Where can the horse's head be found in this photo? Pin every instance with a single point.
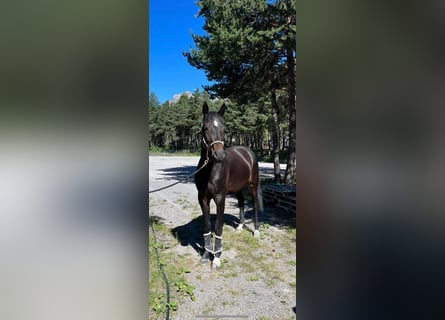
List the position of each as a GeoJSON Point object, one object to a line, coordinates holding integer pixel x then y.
{"type": "Point", "coordinates": [213, 131]}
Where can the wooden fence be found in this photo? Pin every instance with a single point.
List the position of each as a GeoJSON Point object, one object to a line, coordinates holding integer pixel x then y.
{"type": "Point", "coordinates": [282, 197]}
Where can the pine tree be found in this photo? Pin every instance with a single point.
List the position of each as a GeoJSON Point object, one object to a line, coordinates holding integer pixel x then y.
{"type": "Point", "coordinates": [249, 52]}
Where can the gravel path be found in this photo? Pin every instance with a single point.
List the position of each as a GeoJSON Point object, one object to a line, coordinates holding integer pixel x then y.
{"type": "Point", "coordinates": [263, 291]}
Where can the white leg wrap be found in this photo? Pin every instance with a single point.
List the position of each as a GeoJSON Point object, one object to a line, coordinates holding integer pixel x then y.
{"type": "Point", "coordinates": [256, 234]}
{"type": "Point", "coordinates": [239, 228]}
{"type": "Point", "coordinates": [216, 263]}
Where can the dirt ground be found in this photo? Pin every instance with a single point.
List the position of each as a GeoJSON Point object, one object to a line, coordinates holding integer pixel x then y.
{"type": "Point", "coordinates": [257, 279]}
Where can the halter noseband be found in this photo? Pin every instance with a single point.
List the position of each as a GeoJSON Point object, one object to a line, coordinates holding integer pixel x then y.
{"type": "Point", "coordinates": [213, 143]}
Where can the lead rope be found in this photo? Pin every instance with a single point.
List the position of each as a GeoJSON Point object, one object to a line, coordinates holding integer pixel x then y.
{"type": "Point", "coordinates": [181, 180]}
{"type": "Point", "coordinates": [208, 146]}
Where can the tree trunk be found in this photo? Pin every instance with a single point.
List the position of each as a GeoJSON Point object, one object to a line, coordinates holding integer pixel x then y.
{"type": "Point", "coordinates": [261, 145]}
{"type": "Point", "coordinates": [290, 175]}
{"type": "Point", "coordinates": [275, 138]}
{"type": "Point", "coordinates": [261, 133]}
{"type": "Point", "coordinates": [283, 140]}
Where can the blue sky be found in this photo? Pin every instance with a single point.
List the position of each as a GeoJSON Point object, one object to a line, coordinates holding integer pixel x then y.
{"type": "Point", "coordinates": [170, 24]}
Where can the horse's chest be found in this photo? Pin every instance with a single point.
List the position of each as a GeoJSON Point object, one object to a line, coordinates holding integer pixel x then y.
{"type": "Point", "coordinates": [216, 184]}
{"type": "Point", "coordinates": [222, 182]}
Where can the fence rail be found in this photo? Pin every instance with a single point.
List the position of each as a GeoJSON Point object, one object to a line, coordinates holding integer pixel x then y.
{"type": "Point", "coordinates": [282, 197]}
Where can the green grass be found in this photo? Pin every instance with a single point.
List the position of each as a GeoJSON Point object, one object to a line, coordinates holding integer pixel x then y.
{"type": "Point", "coordinates": [253, 278]}
{"type": "Point", "coordinates": [291, 263]}
{"type": "Point", "coordinates": [262, 254]}
{"type": "Point", "coordinates": [228, 303]}
{"type": "Point", "coordinates": [185, 288]}
{"type": "Point", "coordinates": [255, 259]}
{"type": "Point", "coordinates": [175, 268]}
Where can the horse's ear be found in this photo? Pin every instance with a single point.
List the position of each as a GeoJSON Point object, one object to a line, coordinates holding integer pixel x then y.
{"type": "Point", "coordinates": [222, 109]}
{"type": "Point", "coordinates": [205, 108]}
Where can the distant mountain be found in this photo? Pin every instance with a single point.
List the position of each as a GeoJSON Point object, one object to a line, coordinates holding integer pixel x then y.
{"type": "Point", "coordinates": [188, 94]}
{"type": "Point", "coordinates": [176, 97]}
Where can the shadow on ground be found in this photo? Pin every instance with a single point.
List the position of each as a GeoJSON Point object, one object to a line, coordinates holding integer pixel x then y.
{"type": "Point", "coordinates": [179, 173]}
{"type": "Point", "coordinates": [191, 233]}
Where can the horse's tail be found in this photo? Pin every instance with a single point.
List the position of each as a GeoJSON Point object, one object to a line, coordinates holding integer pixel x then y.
{"type": "Point", "coordinates": [259, 190]}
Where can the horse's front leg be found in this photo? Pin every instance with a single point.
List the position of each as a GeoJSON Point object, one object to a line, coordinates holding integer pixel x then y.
{"type": "Point", "coordinates": [204, 202]}
{"type": "Point", "coordinates": [220, 206]}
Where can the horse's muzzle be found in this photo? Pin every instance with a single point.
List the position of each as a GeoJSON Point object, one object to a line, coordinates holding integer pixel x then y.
{"type": "Point", "coordinates": [219, 155]}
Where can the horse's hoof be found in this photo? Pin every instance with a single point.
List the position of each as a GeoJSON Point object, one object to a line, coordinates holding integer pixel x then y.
{"type": "Point", "coordinates": [239, 228]}
{"type": "Point", "coordinates": [256, 234]}
{"type": "Point", "coordinates": [216, 263]}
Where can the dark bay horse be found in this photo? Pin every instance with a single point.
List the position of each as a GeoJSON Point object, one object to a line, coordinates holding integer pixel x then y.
{"type": "Point", "coordinates": [226, 171]}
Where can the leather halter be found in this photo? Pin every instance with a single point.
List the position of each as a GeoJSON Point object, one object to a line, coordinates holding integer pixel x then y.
{"type": "Point", "coordinates": [208, 146]}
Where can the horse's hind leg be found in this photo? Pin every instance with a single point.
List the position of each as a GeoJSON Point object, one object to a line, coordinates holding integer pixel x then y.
{"type": "Point", "coordinates": [204, 202]}
{"type": "Point", "coordinates": [240, 197]}
{"type": "Point", "coordinates": [220, 206]}
{"type": "Point", "coordinates": [257, 195]}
